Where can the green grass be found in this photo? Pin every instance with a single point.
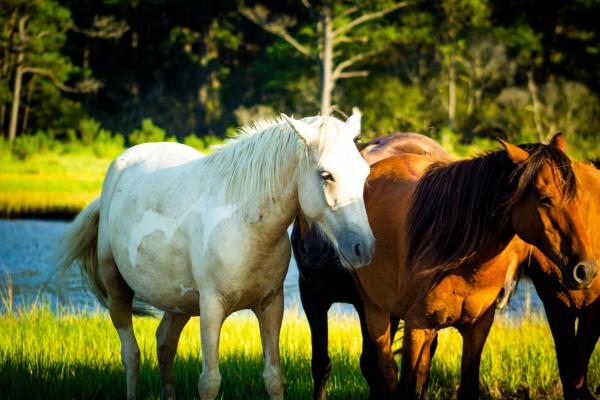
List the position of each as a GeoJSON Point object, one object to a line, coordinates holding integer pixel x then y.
{"type": "Point", "coordinates": [70, 355]}
{"type": "Point", "coordinates": [62, 178]}
{"type": "Point", "coordinates": [49, 183]}
{"type": "Point", "coordinates": [55, 182]}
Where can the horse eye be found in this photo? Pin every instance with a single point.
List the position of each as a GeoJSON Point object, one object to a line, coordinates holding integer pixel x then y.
{"type": "Point", "coordinates": [326, 176]}
{"type": "Point", "coordinates": [545, 200]}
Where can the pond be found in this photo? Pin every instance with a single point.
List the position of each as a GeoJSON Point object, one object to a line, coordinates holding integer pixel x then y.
{"type": "Point", "coordinates": [26, 247]}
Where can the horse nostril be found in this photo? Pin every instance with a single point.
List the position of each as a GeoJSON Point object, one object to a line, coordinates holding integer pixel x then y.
{"type": "Point", "coordinates": [357, 251]}
{"type": "Point", "coordinates": [580, 273]}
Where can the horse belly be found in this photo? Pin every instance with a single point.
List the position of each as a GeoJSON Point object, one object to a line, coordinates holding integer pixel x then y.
{"type": "Point", "coordinates": [246, 284]}
{"type": "Point", "coordinates": [156, 264]}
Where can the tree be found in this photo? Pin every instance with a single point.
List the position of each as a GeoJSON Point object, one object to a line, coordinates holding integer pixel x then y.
{"type": "Point", "coordinates": [342, 41]}
{"type": "Point", "coordinates": [459, 18]}
{"type": "Point", "coordinates": [36, 34]}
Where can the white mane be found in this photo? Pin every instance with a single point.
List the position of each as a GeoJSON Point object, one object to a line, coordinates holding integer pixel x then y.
{"type": "Point", "coordinates": [253, 163]}
{"type": "Point", "coordinates": [263, 155]}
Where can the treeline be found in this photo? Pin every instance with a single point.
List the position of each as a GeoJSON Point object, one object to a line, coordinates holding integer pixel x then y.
{"type": "Point", "coordinates": [459, 69]}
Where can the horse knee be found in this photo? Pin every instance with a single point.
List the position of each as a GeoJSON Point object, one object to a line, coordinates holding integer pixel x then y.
{"type": "Point", "coordinates": [130, 352]}
{"type": "Point", "coordinates": [164, 354]}
{"type": "Point", "coordinates": [208, 386]}
{"type": "Point", "coordinates": [273, 382]}
{"type": "Point", "coordinates": [321, 367]}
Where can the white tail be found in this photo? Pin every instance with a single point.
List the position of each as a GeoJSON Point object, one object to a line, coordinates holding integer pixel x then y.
{"type": "Point", "coordinates": [80, 244]}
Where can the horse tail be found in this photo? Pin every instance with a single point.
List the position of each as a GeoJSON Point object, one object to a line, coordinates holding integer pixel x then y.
{"type": "Point", "coordinates": [80, 244]}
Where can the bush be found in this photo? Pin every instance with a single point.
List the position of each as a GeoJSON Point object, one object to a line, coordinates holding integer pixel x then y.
{"type": "Point", "coordinates": [148, 133]}
{"type": "Point", "coordinates": [203, 144]}
{"type": "Point", "coordinates": [89, 129]}
{"type": "Point", "coordinates": [107, 144]}
{"type": "Point", "coordinates": [390, 105]}
{"type": "Point", "coordinates": [26, 145]}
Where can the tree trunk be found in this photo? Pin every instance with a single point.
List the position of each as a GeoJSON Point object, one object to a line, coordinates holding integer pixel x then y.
{"type": "Point", "coordinates": [327, 82]}
{"type": "Point", "coordinates": [27, 103]}
{"type": "Point", "coordinates": [2, 116]}
{"type": "Point", "coordinates": [451, 95]}
{"type": "Point", "coordinates": [14, 116]}
{"type": "Point", "coordinates": [537, 106]}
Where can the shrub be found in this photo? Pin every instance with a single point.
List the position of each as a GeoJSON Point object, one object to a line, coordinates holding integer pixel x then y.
{"type": "Point", "coordinates": [148, 133]}
{"type": "Point", "coordinates": [203, 144]}
{"type": "Point", "coordinates": [89, 129]}
{"type": "Point", "coordinates": [27, 145]}
{"type": "Point", "coordinates": [107, 144]}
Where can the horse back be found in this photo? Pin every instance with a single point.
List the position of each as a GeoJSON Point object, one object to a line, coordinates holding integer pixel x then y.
{"type": "Point", "coordinates": [403, 142]}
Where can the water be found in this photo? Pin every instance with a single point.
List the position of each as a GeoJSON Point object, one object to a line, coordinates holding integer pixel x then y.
{"type": "Point", "coordinates": [26, 247]}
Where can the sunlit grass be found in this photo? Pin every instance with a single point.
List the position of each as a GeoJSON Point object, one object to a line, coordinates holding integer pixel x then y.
{"type": "Point", "coordinates": [49, 184]}
{"type": "Point", "coordinates": [70, 355]}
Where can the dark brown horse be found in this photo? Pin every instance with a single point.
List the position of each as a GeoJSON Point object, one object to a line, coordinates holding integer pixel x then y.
{"type": "Point", "coordinates": [573, 315]}
{"type": "Point", "coordinates": [323, 281]}
{"type": "Point", "coordinates": [445, 242]}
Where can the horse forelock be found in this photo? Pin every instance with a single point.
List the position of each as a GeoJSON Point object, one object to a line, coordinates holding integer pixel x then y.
{"type": "Point", "coordinates": [540, 155]}
{"type": "Point", "coordinates": [459, 208]}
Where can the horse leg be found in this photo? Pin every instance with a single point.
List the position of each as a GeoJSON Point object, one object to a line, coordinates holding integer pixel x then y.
{"type": "Point", "coordinates": [433, 348]}
{"type": "Point", "coordinates": [474, 337]}
{"type": "Point", "coordinates": [588, 332]}
{"type": "Point", "coordinates": [562, 325]}
{"type": "Point", "coordinates": [416, 360]}
{"type": "Point", "coordinates": [212, 315]}
{"type": "Point", "coordinates": [269, 317]}
{"type": "Point", "coordinates": [320, 363]}
{"type": "Point", "coordinates": [167, 338]}
{"type": "Point", "coordinates": [120, 307]}
{"type": "Point", "coordinates": [378, 326]}
{"type": "Point", "coordinates": [368, 357]}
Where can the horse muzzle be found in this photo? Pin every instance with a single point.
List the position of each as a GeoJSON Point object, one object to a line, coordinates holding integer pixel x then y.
{"type": "Point", "coordinates": [582, 275]}
{"type": "Point", "coordinates": [317, 253]}
{"type": "Point", "coordinates": [356, 250]}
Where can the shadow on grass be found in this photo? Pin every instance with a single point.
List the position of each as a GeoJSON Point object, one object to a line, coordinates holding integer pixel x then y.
{"type": "Point", "coordinates": [241, 379]}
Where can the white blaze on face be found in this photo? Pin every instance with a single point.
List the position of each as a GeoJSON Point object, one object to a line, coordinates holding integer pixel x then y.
{"type": "Point", "coordinates": [331, 190]}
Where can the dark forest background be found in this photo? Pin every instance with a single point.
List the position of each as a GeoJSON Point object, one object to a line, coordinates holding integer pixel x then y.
{"type": "Point", "coordinates": [459, 69]}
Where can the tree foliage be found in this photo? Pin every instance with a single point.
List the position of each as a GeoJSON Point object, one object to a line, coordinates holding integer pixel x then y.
{"type": "Point", "coordinates": [480, 68]}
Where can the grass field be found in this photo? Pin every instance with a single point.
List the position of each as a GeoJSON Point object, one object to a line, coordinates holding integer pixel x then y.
{"type": "Point", "coordinates": [49, 184]}
{"type": "Point", "coordinates": [59, 181]}
{"type": "Point", "coordinates": [53, 183]}
{"type": "Point", "coordinates": [68, 355]}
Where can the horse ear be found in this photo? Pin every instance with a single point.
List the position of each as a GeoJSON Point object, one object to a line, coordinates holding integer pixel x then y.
{"type": "Point", "coordinates": [559, 141]}
{"type": "Point", "coordinates": [515, 153]}
{"type": "Point", "coordinates": [306, 132]}
{"type": "Point", "coordinates": [354, 122]}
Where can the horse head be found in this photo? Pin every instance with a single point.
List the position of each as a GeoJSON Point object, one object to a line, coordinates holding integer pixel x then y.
{"type": "Point", "coordinates": [330, 186]}
{"type": "Point", "coordinates": [546, 211]}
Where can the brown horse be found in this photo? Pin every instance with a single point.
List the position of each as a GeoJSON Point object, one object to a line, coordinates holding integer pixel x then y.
{"type": "Point", "coordinates": [399, 143]}
{"type": "Point", "coordinates": [574, 346]}
{"type": "Point", "coordinates": [445, 241]}
{"type": "Point", "coordinates": [322, 279]}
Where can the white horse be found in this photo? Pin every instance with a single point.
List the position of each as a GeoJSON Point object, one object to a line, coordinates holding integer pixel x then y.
{"type": "Point", "coordinates": [206, 236]}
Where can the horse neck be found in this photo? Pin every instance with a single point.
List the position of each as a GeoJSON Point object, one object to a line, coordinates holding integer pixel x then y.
{"type": "Point", "coordinates": [277, 212]}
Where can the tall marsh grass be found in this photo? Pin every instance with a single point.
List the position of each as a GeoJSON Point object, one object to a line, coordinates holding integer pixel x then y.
{"type": "Point", "coordinates": [60, 179]}
{"type": "Point", "coordinates": [62, 354]}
